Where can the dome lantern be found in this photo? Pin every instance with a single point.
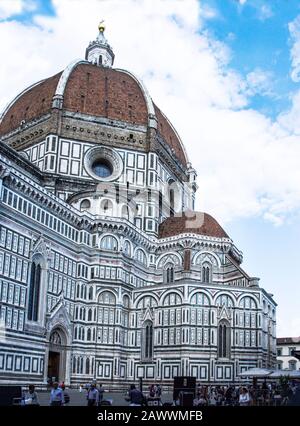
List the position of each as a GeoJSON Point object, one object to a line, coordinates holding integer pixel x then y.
{"type": "Point", "coordinates": [99, 52]}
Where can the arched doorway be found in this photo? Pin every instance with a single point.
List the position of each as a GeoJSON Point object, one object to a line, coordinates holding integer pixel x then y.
{"type": "Point", "coordinates": [57, 356]}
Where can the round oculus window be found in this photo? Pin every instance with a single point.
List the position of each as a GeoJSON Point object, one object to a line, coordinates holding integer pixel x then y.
{"type": "Point", "coordinates": [103, 163]}
{"type": "Point", "coordinates": [102, 168]}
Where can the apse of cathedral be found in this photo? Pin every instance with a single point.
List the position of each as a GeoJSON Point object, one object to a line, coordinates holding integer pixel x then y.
{"type": "Point", "coordinates": [106, 270]}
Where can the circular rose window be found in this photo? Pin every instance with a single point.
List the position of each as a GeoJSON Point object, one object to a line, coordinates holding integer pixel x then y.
{"type": "Point", "coordinates": [102, 168]}
{"type": "Point", "coordinates": [103, 163]}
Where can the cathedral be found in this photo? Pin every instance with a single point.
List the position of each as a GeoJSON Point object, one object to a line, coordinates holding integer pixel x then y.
{"type": "Point", "coordinates": [107, 272]}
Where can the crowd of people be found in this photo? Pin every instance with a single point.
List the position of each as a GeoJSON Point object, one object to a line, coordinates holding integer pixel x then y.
{"type": "Point", "coordinates": [58, 395]}
{"type": "Point", "coordinates": [270, 394]}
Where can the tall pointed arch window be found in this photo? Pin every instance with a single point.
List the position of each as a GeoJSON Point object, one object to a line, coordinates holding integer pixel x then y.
{"type": "Point", "coordinates": [206, 273]}
{"type": "Point", "coordinates": [127, 248]}
{"type": "Point", "coordinates": [141, 257]}
{"type": "Point", "coordinates": [169, 274]}
{"type": "Point", "coordinates": [224, 339]}
{"type": "Point", "coordinates": [34, 291]}
{"type": "Point", "coordinates": [147, 342]}
{"type": "Point", "coordinates": [171, 197]}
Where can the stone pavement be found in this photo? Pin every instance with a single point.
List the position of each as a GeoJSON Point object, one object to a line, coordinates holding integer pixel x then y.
{"type": "Point", "coordinates": [79, 399]}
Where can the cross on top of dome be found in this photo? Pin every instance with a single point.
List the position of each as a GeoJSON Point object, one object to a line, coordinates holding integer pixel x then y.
{"type": "Point", "coordinates": [99, 52]}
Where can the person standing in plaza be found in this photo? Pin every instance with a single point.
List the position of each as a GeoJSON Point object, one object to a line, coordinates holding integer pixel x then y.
{"type": "Point", "coordinates": [92, 396]}
{"type": "Point", "coordinates": [30, 397]}
{"type": "Point", "coordinates": [100, 393]}
{"type": "Point", "coordinates": [56, 396]}
{"type": "Point", "coordinates": [244, 398]}
{"type": "Point", "coordinates": [135, 397]}
{"type": "Point", "coordinates": [158, 391]}
{"type": "Point", "coordinates": [152, 391]}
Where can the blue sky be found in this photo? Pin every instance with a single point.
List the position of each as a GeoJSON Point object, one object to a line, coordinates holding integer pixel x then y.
{"type": "Point", "coordinates": [257, 32]}
{"type": "Point", "coordinates": [30, 10]}
{"type": "Point", "coordinates": [226, 73]}
{"type": "Point", "coordinates": [258, 35]}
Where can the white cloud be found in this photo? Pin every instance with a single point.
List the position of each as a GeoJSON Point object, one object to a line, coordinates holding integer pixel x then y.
{"type": "Point", "coordinates": [265, 12]}
{"type": "Point", "coordinates": [294, 28]}
{"type": "Point", "coordinates": [260, 82]}
{"type": "Point", "coordinates": [9, 8]}
{"type": "Point", "coordinates": [208, 12]}
{"type": "Point", "coordinates": [247, 164]}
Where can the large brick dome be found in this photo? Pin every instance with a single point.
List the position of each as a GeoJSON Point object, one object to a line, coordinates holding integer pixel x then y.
{"type": "Point", "coordinates": [91, 91]}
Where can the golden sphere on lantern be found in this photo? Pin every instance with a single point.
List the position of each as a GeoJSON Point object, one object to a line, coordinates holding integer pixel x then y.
{"type": "Point", "coordinates": [101, 27]}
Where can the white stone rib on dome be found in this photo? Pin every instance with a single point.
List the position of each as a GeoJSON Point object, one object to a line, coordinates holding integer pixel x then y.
{"type": "Point", "coordinates": [61, 85]}
{"type": "Point", "coordinates": [60, 89]}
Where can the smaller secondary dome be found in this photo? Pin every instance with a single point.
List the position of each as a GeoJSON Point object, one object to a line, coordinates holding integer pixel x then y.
{"type": "Point", "coordinates": [191, 222]}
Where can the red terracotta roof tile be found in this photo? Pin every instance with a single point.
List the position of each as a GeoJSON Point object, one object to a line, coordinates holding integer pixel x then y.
{"type": "Point", "coordinates": [191, 222]}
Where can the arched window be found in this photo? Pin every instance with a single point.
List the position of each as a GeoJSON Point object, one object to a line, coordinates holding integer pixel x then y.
{"type": "Point", "coordinates": [160, 203]}
{"type": "Point", "coordinates": [172, 299]}
{"type": "Point", "coordinates": [34, 292]}
{"type": "Point", "coordinates": [125, 212]}
{"type": "Point", "coordinates": [90, 315]}
{"type": "Point", "coordinates": [141, 257]}
{"type": "Point", "coordinates": [200, 299]}
{"type": "Point", "coordinates": [146, 301]}
{"type": "Point", "coordinates": [107, 298]}
{"type": "Point", "coordinates": [100, 59]}
{"type": "Point", "coordinates": [169, 274]}
{"type": "Point", "coordinates": [127, 248]}
{"type": "Point", "coordinates": [81, 366]}
{"type": "Point", "coordinates": [89, 334]}
{"type": "Point", "coordinates": [75, 333]}
{"type": "Point", "coordinates": [148, 340]}
{"type": "Point", "coordinates": [106, 208]}
{"type": "Point", "coordinates": [171, 194]}
{"type": "Point", "coordinates": [74, 364]}
{"type": "Point", "coordinates": [223, 339]}
{"type": "Point", "coordinates": [109, 243]}
{"type": "Point", "coordinates": [224, 300]}
{"type": "Point", "coordinates": [172, 203]}
{"type": "Point", "coordinates": [91, 293]}
{"type": "Point", "coordinates": [206, 275]}
{"type": "Point", "coordinates": [126, 301]}
{"type": "Point", "coordinates": [85, 205]}
{"type": "Point", "coordinates": [247, 303]}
